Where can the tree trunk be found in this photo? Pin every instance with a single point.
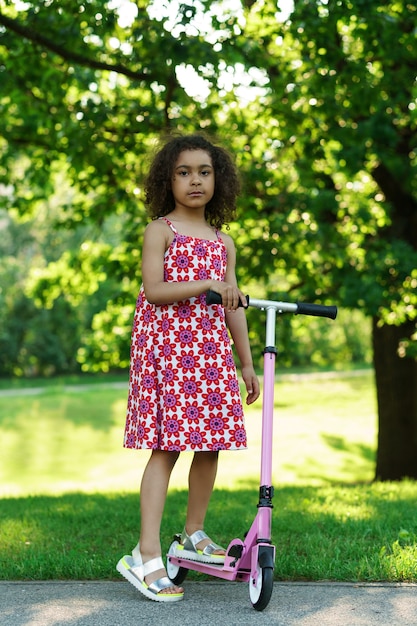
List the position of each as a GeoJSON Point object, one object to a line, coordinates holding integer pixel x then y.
{"type": "Point", "coordinates": [396, 386]}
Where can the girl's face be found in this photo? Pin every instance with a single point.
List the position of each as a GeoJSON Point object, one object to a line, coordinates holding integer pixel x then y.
{"type": "Point", "coordinates": [193, 179]}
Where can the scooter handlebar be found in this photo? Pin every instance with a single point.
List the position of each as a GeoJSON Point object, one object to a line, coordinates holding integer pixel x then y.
{"type": "Point", "coordinates": [300, 308]}
{"type": "Point", "coordinates": [212, 297]}
{"type": "Point", "coordinates": [319, 310]}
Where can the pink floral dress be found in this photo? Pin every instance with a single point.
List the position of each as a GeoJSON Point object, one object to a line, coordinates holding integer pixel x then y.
{"type": "Point", "coordinates": [183, 389]}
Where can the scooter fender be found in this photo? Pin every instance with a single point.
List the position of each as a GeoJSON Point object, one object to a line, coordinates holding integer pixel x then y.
{"type": "Point", "coordinates": [263, 555]}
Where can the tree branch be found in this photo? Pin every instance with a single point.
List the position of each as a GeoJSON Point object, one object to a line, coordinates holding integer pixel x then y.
{"type": "Point", "coordinates": [68, 55]}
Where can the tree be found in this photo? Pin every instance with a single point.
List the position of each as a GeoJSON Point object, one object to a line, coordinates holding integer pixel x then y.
{"type": "Point", "coordinates": [324, 131]}
{"type": "Point", "coordinates": [350, 94]}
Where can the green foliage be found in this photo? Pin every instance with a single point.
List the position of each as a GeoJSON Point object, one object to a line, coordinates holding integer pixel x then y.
{"type": "Point", "coordinates": [351, 153]}
{"type": "Point", "coordinates": [328, 166]}
{"type": "Point", "coordinates": [53, 315]}
{"type": "Point", "coordinates": [315, 342]}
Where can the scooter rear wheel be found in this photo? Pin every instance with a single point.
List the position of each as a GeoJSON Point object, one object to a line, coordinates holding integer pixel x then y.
{"type": "Point", "coordinates": [175, 573]}
{"type": "Point", "coordinates": [261, 590]}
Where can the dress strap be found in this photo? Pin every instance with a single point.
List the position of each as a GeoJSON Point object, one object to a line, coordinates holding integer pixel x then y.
{"type": "Point", "coordinates": [170, 224]}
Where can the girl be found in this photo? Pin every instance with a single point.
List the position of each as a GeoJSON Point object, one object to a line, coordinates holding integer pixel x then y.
{"type": "Point", "coordinates": [183, 390]}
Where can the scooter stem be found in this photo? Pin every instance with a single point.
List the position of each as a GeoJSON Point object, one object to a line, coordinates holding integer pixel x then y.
{"type": "Point", "coordinates": [267, 418]}
{"type": "Point", "coordinates": [266, 489]}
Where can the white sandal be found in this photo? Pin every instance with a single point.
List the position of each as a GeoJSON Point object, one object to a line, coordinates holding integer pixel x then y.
{"type": "Point", "coordinates": [134, 570]}
{"type": "Point", "coordinates": [187, 549]}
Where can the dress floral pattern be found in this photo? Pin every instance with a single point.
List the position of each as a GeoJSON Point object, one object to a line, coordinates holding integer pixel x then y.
{"type": "Point", "coordinates": [183, 387]}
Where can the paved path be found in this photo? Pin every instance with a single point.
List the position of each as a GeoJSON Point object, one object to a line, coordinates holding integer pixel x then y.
{"type": "Point", "coordinates": [220, 603]}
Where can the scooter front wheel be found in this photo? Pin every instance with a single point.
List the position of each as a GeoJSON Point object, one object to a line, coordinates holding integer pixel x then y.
{"type": "Point", "coordinates": [175, 573]}
{"type": "Point", "coordinates": [260, 590]}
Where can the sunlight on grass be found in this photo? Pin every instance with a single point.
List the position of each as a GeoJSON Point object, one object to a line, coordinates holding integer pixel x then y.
{"type": "Point", "coordinates": [328, 532]}
{"type": "Point", "coordinates": [58, 440]}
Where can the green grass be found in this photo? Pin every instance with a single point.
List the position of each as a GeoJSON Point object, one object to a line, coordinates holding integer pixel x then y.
{"type": "Point", "coordinates": [70, 491]}
{"type": "Point", "coordinates": [8, 384]}
{"type": "Point", "coordinates": [342, 533]}
{"type": "Point", "coordinates": [64, 439]}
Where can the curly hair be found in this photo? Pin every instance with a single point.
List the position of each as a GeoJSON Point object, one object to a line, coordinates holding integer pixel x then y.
{"type": "Point", "coordinates": [158, 194]}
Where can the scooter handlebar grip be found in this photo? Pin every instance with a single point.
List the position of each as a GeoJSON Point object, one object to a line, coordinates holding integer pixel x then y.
{"type": "Point", "coordinates": [212, 297]}
{"type": "Point", "coordinates": [319, 310]}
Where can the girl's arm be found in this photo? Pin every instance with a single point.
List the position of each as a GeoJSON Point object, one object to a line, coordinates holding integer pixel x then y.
{"type": "Point", "coordinates": [236, 321]}
{"type": "Point", "coordinates": [156, 240]}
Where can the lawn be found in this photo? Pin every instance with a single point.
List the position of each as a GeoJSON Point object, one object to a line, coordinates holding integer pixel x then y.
{"type": "Point", "coordinates": [70, 501]}
{"type": "Point", "coordinates": [61, 438]}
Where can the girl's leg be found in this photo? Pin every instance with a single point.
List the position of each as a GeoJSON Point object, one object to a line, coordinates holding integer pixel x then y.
{"type": "Point", "coordinates": [153, 493]}
{"type": "Point", "coordinates": [200, 482]}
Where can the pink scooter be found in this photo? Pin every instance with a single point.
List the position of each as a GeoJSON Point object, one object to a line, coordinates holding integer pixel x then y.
{"type": "Point", "coordinates": [252, 559]}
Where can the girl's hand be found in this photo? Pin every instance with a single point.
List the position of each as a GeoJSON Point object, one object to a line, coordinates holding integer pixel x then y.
{"type": "Point", "coordinates": [252, 384]}
{"type": "Point", "coordinates": [231, 295]}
